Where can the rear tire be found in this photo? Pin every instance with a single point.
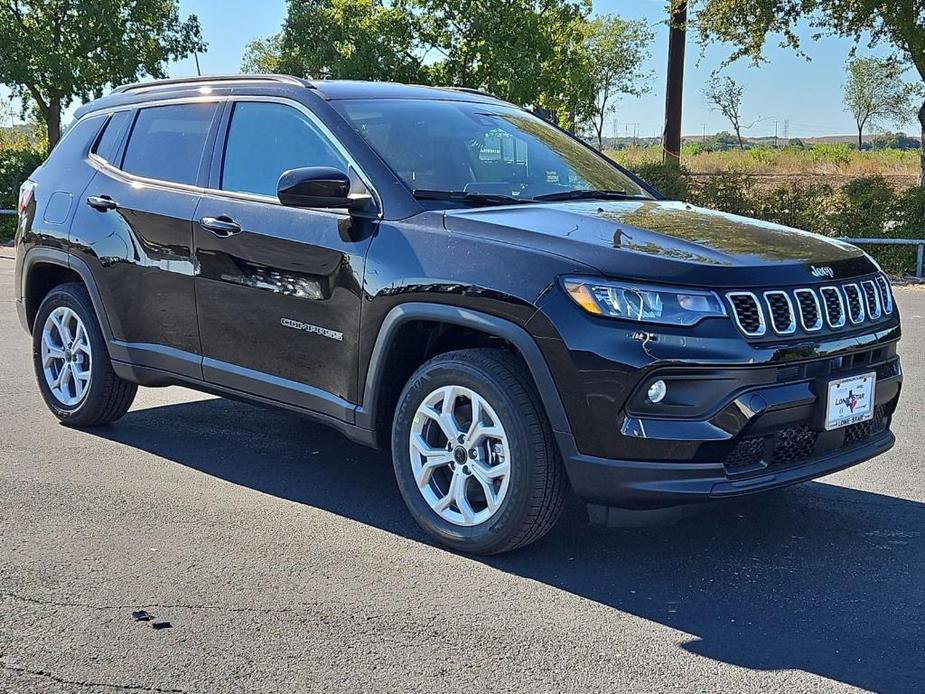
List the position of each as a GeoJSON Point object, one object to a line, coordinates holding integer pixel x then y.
{"type": "Point", "coordinates": [72, 364]}
{"type": "Point", "coordinates": [500, 485]}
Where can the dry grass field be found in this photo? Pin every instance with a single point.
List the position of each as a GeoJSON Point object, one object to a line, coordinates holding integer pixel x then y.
{"type": "Point", "coordinates": [834, 162]}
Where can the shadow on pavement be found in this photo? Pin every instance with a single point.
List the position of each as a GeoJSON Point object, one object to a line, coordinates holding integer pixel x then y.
{"type": "Point", "coordinates": [818, 578]}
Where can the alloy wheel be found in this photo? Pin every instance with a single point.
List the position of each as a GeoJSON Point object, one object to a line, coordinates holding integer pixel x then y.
{"type": "Point", "coordinates": [460, 455]}
{"type": "Point", "coordinates": [66, 356]}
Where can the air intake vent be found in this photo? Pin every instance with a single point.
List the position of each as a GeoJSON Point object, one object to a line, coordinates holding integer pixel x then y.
{"type": "Point", "coordinates": [747, 312]}
{"type": "Point", "coordinates": [855, 305]}
{"type": "Point", "coordinates": [872, 297]}
{"type": "Point", "coordinates": [834, 306]}
{"type": "Point", "coordinates": [781, 311]}
{"type": "Point", "coordinates": [810, 311]}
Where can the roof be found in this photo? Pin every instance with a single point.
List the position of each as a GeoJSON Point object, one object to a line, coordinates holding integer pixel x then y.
{"type": "Point", "coordinates": [327, 89]}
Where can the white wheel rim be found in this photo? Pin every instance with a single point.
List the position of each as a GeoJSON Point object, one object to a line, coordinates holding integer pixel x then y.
{"type": "Point", "coordinates": [460, 456]}
{"type": "Point", "coordinates": [66, 356]}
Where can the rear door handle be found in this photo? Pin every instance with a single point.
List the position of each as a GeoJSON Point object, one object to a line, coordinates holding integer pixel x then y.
{"type": "Point", "coordinates": [222, 226]}
{"type": "Point", "coordinates": [102, 203]}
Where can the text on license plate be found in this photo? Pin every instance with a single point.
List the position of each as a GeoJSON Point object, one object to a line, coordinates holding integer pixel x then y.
{"type": "Point", "coordinates": [850, 400]}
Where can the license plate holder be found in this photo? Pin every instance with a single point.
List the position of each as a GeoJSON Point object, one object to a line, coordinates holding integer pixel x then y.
{"type": "Point", "coordinates": [850, 400]}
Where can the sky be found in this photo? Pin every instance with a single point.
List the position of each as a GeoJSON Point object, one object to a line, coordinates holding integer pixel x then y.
{"type": "Point", "coordinates": [803, 97]}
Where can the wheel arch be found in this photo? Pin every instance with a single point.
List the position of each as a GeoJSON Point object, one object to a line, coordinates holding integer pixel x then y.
{"type": "Point", "coordinates": [379, 396]}
{"type": "Point", "coordinates": [46, 268]}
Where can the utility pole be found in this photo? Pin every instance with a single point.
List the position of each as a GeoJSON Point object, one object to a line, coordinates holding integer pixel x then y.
{"type": "Point", "coordinates": [674, 92]}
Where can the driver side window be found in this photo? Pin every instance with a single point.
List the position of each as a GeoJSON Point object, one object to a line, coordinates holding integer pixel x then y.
{"type": "Point", "coordinates": [266, 139]}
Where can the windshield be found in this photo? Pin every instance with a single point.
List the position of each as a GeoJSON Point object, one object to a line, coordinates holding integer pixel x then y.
{"type": "Point", "coordinates": [482, 150]}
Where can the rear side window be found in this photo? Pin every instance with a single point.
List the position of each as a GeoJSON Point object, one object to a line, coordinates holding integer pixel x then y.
{"type": "Point", "coordinates": [167, 142]}
{"type": "Point", "coordinates": [267, 139]}
{"type": "Point", "coordinates": [108, 144]}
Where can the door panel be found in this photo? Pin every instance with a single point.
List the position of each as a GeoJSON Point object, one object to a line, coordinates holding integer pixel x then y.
{"type": "Point", "coordinates": [140, 232]}
{"type": "Point", "coordinates": [279, 301]}
{"type": "Point", "coordinates": [278, 288]}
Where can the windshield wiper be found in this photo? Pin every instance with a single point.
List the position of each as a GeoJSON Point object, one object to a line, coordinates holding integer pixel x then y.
{"type": "Point", "coordinates": [588, 195]}
{"type": "Point", "coordinates": [463, 196]}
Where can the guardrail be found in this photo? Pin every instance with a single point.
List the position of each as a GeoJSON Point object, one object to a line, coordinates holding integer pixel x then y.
{"type": "Point", "coordinates": [919, 257]}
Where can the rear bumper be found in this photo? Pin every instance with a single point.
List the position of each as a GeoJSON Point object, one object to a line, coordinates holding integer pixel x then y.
{"type": "Point", "coordinates": [647, 485]}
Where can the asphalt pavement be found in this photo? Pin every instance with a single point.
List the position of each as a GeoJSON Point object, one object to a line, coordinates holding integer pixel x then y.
{"type": "Point", "coordinates": [283, 559]}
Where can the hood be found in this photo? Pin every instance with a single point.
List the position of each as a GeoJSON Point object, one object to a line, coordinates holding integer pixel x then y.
{"type": "Point", "coordinates": [667, 242]}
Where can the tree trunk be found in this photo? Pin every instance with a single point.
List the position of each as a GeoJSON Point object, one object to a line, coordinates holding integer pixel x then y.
{"type": "Point", "coordinates": [53, 121]}
{"type": "Point", "coordinates": [677, 38]}
{"type": "Point", "coordinates": [922, 147]}
{"type": "Point", "coordinates": [860, 139]}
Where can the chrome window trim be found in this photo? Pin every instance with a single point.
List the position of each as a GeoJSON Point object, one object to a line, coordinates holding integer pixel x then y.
{"type": "Point", "coordinates": [841, 305]}
{"type": "Point", "coordinates": [862, 301]}
{"type": "Point", "coordinates": [762, 327]}
{"type": "Point", "coordinates": [876, 293]}
{"type": "Point", "coordinates": [818, 325]}
{"type": "Point", "coordinates": [793, 320]}
{"type": "Point", "coordinates": [886, 293]}
{"type": "Point", "coordinates": [183, 187]}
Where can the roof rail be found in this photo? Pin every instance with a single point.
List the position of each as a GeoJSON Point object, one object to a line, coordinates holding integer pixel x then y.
{"type": "Point", "coordinates": [153, 84]}
{"type": "Point", "coordinates": [470, 90]}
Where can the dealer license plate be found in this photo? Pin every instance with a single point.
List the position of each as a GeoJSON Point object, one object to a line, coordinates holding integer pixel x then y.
{"type": "Point", "coordinates": [851, 400]}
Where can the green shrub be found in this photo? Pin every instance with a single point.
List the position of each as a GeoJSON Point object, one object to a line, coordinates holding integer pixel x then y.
{"type": "Point", "coordinates": [15, 167]}
{"type": "Point", "coordinates": [865, 207]}
{"type": "Point", "coordinates": [673, 182]}
{"type": "Point", "coordinates": [729, 192]}
{"type": "Point", "coordinates": [804, 207]}
{"type": "Point", "coordinates": [838, 154]}
{"type": "Point", "coordinates": [7, 228]}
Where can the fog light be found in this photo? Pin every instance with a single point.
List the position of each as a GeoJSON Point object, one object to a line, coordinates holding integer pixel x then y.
{"type": "Point", "coordinates": [657, 392]}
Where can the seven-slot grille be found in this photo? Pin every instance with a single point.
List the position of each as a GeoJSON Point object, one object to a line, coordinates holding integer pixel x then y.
{"type": "Point", "coordinates": [811, 308]}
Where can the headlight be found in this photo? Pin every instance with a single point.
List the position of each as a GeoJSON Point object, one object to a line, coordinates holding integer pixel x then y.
{"type": "Point", "coordinates": [641, 302]}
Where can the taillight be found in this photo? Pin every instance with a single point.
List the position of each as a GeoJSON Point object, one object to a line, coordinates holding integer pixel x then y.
{"type": "Point", "coordinates": [25, 197]}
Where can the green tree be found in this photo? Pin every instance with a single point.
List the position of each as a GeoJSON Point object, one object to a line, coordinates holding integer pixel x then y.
{"type": "Point", "coordinates": [262, 56]}
{"type": "Point", "coordinates": [875, 94]}
{"type": "Point", "coordinates": [725, 96]}
{"type": "Point", "coordinates": [55, 51]}
{"type": "Point", "coordinates": [530, 52]}
{"type": "Point", "coordinates": [344, 39]}
{"type": "Point", "coordinates": [899, 24]}
{"type": "Point", "coordinates": [617, 49]}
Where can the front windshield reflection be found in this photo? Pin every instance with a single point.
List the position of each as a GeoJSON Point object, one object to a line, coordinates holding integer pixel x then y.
{"type": "Point", "coordinates": [481, 149]}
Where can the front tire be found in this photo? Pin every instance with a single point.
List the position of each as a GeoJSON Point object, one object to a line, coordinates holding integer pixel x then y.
{"type": "Point", "coordinates": [72, 364]}
{"type": "Point", "coordinates": [474, 455]}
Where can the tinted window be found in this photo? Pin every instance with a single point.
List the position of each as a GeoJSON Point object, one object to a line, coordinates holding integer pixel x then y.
{"type": "Point", "coordinates": [264, 140]}
{"type": "Point", "coordinates": [108, 144]}
{"type": "Point", "coordinates": [167, 142]}
{"type": "Point", "coordinates": [480, 148]}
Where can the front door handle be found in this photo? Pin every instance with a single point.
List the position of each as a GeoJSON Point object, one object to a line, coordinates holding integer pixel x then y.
{"type": "Point", "coordinates": [102, 203]}
{"type": "Point", "coordinates": [222, 226]}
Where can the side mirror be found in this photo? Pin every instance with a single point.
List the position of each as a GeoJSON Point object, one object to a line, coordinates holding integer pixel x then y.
{"type": "Point", "coordinates": [319, 186]}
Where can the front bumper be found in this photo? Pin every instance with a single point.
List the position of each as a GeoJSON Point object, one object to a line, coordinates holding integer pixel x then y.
{"type": "Point", "coordinates": [769, 434]}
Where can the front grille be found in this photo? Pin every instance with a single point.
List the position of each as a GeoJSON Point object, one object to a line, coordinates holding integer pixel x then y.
{"type": "Point", "coordinates": [886, 294]}
{"type": "Point", "coordinates": [748, 313]}
{"type": "Point", "coordinates": [796, 445]}
{"type": "Point", "coordinates": [782, 318]}
{"type": "Point", "coordinates": [810, 309]}
{"type": "Point", "coordinates": [834, 306]}
{"type": "Point", "coordinates": [872, 297]}
{"type": "Point", "coordinates": [855, 307]}
{"type": "Point", "coordinates": [810, 312]}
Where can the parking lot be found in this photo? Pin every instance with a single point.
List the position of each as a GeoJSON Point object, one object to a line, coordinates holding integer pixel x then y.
{"type": "Point", "coordinates": [283, 560]}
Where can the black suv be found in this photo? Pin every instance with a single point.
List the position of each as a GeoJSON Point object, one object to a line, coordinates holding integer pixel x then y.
{"type": "Point", "coordinates": [447, 275]}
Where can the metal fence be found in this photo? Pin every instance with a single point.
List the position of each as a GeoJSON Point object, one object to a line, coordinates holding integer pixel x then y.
{"type": "Point", "coordinates": [919, 258]}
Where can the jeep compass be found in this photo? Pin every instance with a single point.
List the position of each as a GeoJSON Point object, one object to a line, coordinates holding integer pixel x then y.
{"type": "Point", "coordinates": [445, 275]}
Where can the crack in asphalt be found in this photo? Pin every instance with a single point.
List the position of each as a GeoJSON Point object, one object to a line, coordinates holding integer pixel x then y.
{"type": "Point", "coordinates": [135, 606]}
{"type": "Point", "coordinates": [80, 683]}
